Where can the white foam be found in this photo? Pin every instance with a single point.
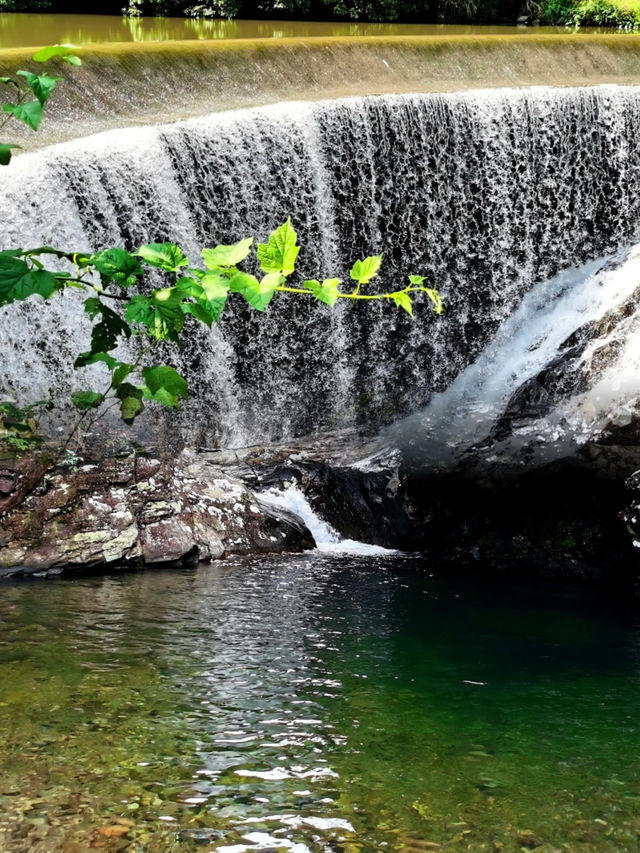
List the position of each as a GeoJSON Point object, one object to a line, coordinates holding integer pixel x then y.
{"type": "Point", "coordinates": [326, 537]}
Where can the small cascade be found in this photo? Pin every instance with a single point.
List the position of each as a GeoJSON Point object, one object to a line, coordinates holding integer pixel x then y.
{"type": "Point", "coordinates": [556, 327]}
{"type": "Point", "coordinates": [327, 539]}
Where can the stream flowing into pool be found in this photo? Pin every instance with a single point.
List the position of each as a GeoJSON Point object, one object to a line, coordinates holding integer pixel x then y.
{"type": "Point", "coordinates": [316, 702]}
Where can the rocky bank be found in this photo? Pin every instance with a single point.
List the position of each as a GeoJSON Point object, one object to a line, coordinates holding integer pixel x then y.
{"type": "Point", "coordinates": [131, 512]}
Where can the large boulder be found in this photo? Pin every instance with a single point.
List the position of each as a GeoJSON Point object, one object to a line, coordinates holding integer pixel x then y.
{"type": "Point", "coordinates": [134, 511]}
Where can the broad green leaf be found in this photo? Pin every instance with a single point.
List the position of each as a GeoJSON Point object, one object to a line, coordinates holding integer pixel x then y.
{"type": "Point", "coordinates": [118, 265]}
{"type": "Point", "coordinates": [5, 152]}
{"type": "Point", "coordinates": [187, 286]}
{"type": "Point", "coordinates": [280, 252]}
{"type": "Point", "coordinates": [18, 281]}
{"type": "Point", "coordinates": [41, 85]}
{"type": "Point", "coordinates": [215, 286]}
{"type": "Point", "coordinates": [130, 408]}
{"type": "Point", "coordinates": [86, 358]}
{"type": "Point", "coordinates": [105, 334]}
{"type": "Point", "coordinates": [198, 311]}
{"type": "Point", "coordinates": [257, 293]}
{"type": "Point", "coordinates": [86, 399]}
{"type": "Point", "coordinates": [364, 271]}
{"type": "Point", "coordinates": [65, 51]}
{"type": "Point", "coordinates": [9, 409]}
{"type": "Point", "coordinates": [326, 292]}
{"type": "Point", "coordinates": [165, 256]}
{"type": "Point", "coordinates": [161, 313]}
{"type": "Point", "coordinates": [131, 404]}
{"type": "Point", "coordinates": [164, 385]}
{"type": "Point", "coordinates": [120, 374]}
{"type": "Point", "coordinates": [214, 307]}
{"type": "Point", "coordinates": [227, 256]}
{"type": "Point", "coordinates": [403, 300]}
{"type": "Point", "coordinates": [30, 113]}
{"type": "Point", "coordinates": [417, 279]}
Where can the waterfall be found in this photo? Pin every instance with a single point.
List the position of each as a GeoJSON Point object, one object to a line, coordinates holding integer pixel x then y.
{"type": "Point", "coordinates": [489, 193]}
{"type": "Point", "coordinates": [536, 335]}
{"type": "Point", "coordinates": [327, 539]}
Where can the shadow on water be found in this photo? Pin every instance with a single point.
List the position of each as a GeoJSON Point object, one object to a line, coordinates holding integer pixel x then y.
{"type": "Point", "coordinates": [332, 703]}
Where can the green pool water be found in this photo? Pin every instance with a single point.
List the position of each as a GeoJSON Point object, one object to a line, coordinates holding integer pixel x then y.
{"type": "Point", "coordinates": [315, 703]}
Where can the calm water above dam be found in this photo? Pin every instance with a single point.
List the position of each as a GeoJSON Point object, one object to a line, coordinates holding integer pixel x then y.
{"type": "Point", "coordinates": [315, 703]}
{"type": "Point", "coordinates": [19, 30]}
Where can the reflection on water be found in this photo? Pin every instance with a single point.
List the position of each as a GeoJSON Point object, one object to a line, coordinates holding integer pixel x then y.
{"type": "Point", "coordinates": [315, 703]}
{"type": "Point", "coordinates": [34, 30]}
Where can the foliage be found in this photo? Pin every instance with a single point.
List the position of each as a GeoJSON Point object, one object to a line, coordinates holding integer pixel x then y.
{"type": "Point", "coordinates": [19, 426]}
{"type": "Point", "coordinates": [123, 309]}
{"type": "Point", "coordinates": [111, 280]}
{"type": "Point", "coordinates": [617, 14]}
{"type": "Point", "coordinates": [32, 91]}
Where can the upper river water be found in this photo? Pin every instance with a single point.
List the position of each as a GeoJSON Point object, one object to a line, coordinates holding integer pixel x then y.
{"type": "Point", "coordinates": [316, 703]}
{"type": "Point", "coordinates": [19, 30]}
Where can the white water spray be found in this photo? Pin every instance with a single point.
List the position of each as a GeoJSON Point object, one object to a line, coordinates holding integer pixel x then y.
{"type": "Point", "coordinates": [529, 340]}
{"type": "Point", "coordinates": [327, 539]}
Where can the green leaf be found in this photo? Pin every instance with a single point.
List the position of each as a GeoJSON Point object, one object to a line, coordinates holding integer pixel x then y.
{"type": "Point", "coordinates": [131, 404]}
{"type": "Point", "coordinates": [165, 256]}
{"type": "Point", "coordinates": [198, 311]}
{"type": "Point", "coordinates": [5, 152]}
{"type": "Point", "coordinates": [280, 252]}
{"type": "Point", "coordinates": [187, 286]}
{"type": "Point", "coordinates": [120, 374]}
{"type": "Point", "coordinates": [118, 265]}
{"type": "Point", "coordinates": [86, 358]}
{"type": "Point", "coordinates": [434, 296]}
{"type": "Point", "coordinates": [257, 293]}
{"type": "Point", "coordinates": [65, 51]}
{"type": "Point", "coordinates": [215, 286]}
{"type": "Point", "coordinates": [364, 271]}
{"type": "Point", "coordinates": [161, 313]}
{"type": "Point", "coordinates": [105, 334]}
{"type": "Point", "coordinates": [403, 300]}
{"type": "Point", "coordinates": [18, 281]}
{"type": "Point", "coordinates": [214, 307]}
{"type": "Point", "coordinates": [41, 85]}
{"type": "Point", "coordinates": [227, 256]}
{"type": "Point", "coordinates": [86, 399]}
{"type": "Point", "coordinates": [164, 385]}
{"type": "Point", "coordinates": [326, 292]}
{"type": "Point", "coordinates": [29, 113]}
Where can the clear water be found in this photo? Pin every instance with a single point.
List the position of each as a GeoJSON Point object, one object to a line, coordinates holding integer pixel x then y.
{"type": "Point", "coordinates": [316, 703]}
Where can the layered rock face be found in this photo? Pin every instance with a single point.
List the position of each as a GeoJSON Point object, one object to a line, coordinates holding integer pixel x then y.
{"type": "Point", "coordinates": [134, 512]}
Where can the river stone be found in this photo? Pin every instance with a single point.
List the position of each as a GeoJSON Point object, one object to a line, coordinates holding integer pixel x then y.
{"type": "Point", "coordinates": [136, 511]}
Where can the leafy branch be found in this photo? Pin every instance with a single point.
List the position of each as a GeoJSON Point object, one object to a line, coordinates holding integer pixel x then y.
{"type": "Point", "coordinates": [120, 312]}
{"type": "Point", "coordinates": [113, 280]}
{"type": "Point", "coordinates": [32, 92]}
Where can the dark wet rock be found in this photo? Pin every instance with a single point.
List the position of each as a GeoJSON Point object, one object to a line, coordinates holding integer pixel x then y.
{"type": "Point", "coordinates": [561, 521]}
{"type": "Point", "coordinates": [136, 511]}
{"type": "Point", "coordinates": [343, 476]}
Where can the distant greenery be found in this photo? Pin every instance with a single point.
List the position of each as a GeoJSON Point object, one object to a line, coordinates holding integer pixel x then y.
{"type": "Point", "coordinates": [427, 11]}
{"type": "Point", "coordinates": [618, 14]}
